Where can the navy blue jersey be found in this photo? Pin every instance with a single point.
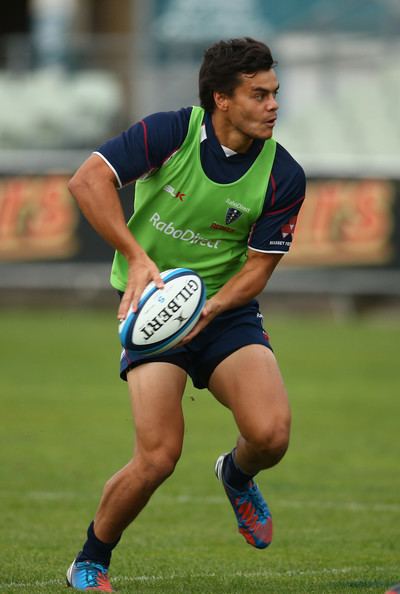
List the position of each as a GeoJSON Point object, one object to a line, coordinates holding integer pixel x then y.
{"type": "Point", "coordinates": [146, 145]}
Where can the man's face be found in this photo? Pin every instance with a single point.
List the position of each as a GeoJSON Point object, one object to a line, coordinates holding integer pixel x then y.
{"type": "Point", "coordinates": [252, 109]}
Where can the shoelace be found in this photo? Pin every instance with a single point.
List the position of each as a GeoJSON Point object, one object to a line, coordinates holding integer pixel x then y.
{"type": "Point", "coordinates": [92, 573]}
{"type": "Point", "coordinates": [259, 502]}
{"type": "Point", "coordinates": [249, 503]}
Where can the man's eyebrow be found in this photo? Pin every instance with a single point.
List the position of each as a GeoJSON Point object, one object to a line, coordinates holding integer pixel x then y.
{"type": "Point", "coordinates": [265, 89]}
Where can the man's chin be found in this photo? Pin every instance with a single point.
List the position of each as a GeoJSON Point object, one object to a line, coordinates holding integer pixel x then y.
{"type": "Point", "coordinates": [264, 135]}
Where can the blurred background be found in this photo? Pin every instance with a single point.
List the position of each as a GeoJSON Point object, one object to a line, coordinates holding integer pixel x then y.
{"type": "Point", "coordinates": [73, 73]}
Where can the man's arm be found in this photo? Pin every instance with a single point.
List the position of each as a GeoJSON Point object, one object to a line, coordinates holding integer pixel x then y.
{"type": "Point", "coordinates": [240, 289]}
{"type": "Point", "coordinates": [94, 188]}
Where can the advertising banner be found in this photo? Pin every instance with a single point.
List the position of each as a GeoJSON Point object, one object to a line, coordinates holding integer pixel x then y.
{"type": "Point", "coordinates": [343, 222]}
{"type": "Point", "coordinates": [346, 223]}
{"type": "Point", "coordinates": [38, 219]}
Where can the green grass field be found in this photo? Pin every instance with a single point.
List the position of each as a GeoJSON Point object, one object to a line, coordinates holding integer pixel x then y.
{"type": "Point", "coordinates": [335, 498]}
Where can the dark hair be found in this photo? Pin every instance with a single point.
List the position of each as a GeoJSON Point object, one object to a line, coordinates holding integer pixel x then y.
{"type": "Point", "coordinates": [225, 61]}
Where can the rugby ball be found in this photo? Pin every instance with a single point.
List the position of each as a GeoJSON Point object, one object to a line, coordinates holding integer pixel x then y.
{"type": "Point", "coordinates": [164, 316]}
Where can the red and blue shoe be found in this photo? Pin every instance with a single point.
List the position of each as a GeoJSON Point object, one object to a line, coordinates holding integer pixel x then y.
{"type": "Point", "coordinates": [87, 575]}
{"type": "Point", "coordinates": [252, 513]}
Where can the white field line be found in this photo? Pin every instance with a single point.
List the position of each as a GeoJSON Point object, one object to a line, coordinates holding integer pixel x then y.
{"type": "Point", "coordinates": [199, 576]}
{"type": "Point", "coordinates": [341, 505]}
{"type": "Point", "coordinates": [352, 506]}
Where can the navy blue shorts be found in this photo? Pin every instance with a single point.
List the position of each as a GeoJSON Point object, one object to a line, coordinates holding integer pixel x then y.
{"type": "Point", "coordinates": [227, 333]}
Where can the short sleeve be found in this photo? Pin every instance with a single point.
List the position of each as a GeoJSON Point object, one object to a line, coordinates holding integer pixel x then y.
{"type": "Point", "coordinates": [273, 231]}
{"type": "Point", "coordinates": [145, 145]}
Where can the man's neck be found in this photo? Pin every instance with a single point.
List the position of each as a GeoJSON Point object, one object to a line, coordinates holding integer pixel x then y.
{"type": "Point", "coordinates": [228, 136]}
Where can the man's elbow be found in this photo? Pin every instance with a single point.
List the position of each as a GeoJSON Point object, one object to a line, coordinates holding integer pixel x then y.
{"type": "Point", "coordinates": [75, 184]}
{"type": "Point", "coordinates": [81, 187]}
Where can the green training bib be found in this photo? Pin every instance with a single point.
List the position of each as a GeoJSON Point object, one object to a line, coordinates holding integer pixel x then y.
{"type": "Point", "coordinates": [184, 219]}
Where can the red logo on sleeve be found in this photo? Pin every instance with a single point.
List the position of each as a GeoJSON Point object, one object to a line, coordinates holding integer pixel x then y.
{"type": "Point", "coordinates": [289, 227]}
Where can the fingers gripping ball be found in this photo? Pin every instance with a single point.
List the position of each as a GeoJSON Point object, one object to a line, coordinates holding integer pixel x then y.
{"type": "Point", "coordinates": [164, 316]}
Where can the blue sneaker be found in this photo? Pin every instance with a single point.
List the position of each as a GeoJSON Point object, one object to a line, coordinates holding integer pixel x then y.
{"type": "Point", "coordinates": [87, 575]}
{"type": "Point", "coordinates": [252, 513]}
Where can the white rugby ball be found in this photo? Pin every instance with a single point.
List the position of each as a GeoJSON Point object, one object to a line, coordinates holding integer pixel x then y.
{"type": "Point", "coordinates": [164, 316]}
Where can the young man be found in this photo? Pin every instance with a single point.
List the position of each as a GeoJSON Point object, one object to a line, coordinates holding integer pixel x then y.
{"type": "Point", "coordinates": [215, 193]}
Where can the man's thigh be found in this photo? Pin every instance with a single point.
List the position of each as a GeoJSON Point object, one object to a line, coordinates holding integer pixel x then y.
{"type": "Point", "coordinates": [250, 384]}
{"type": "Point", "coordinates": [156, 391]}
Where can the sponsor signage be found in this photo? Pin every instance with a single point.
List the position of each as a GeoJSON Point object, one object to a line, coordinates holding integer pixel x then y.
{"type": "Point", "coordinates": [346, 223]}
{"type": "Point", "coordinates": [342, 223]}
{"type": "Point", "coordinates": [188, 235]}
{"type": "Point", "coordinates": [38, 218]}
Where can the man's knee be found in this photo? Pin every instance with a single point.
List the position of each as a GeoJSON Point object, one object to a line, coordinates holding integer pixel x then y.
{"type": "Point", "coordinates": [156, 466]}
{"type": "Point", "coordinates": [269, 438]}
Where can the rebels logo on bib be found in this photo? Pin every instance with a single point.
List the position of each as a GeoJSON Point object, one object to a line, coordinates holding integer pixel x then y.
{"type": "Point", "coordinates": [232, 215]}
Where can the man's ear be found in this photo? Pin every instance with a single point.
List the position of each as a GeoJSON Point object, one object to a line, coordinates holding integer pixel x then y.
{"type": "Point", "coordinates": [221, 100]}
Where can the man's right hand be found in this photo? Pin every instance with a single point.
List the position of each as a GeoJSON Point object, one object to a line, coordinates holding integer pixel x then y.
{"type": "Point", "coordinates": [142, 270]}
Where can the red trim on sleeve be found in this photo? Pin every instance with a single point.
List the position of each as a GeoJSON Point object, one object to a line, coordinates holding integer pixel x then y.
{"type": "Point", "coordinates": [284, 209]}
{"type": "Point", "coordinates": [273, 184]}
{"type": "Point", "coordinates": [146, 143]}
{"type": "Point", "coordinates": [251, 233]}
